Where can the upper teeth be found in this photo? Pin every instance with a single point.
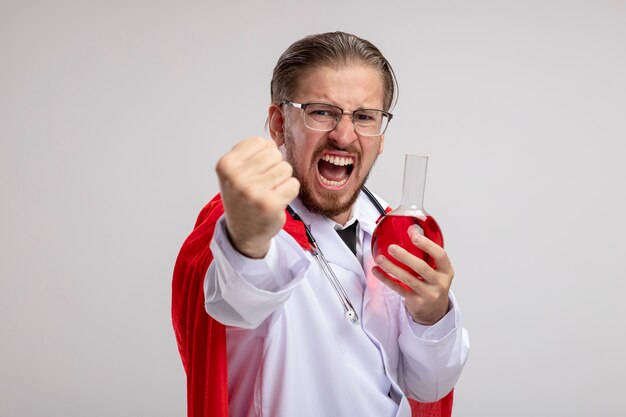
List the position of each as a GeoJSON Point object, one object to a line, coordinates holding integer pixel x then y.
{"type": "Point", "coordinates": [338, 160]}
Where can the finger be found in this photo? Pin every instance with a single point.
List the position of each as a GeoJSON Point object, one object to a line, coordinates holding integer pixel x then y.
{"type": "Point", "coordinates": [409, 279]}
{"type": "Point", "coordinates": [236, 160]}
{"type": "Point", "coordinates": [249, 176]}
{"type": "Point", "coordinates": [261, 159]}
{"type": "Point", "coordinates": [421, 268]}
{"type": "Point", "coordinates": [256, 166]}
{"type": "Point", "coordinates": [287, 191]}
{"type": "Point", "coordinates": [438, 253]}
{"type": "Point", "coordinates": [395, 285]}
{"type": "Point", "coordinates": [265, 184]}
{"type": "Point", "coordinates": [265, 197]}
{"type": "Point", "coordinates": [276, 175]}
{"type": "Point", "coordinates": [248, 148]}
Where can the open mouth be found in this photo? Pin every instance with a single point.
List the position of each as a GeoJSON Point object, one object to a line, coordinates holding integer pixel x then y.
{"type": "Point", "coordinates": [334, 170]}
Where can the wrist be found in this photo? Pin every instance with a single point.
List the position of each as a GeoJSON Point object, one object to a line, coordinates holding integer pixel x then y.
{"type": "Point", "coordinates": [432, 317]}
{"type": "Point", "coordinates": [248, 247]}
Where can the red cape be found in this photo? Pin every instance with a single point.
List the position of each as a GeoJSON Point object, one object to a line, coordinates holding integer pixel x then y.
{"type": "Point", "coordinates": [202, 340]}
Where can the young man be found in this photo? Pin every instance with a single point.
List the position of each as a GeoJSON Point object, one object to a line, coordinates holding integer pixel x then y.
{"type": "Point", "coordinates": [288, 334]}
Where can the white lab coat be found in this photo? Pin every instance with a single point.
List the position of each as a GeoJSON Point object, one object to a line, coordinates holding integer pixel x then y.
{"type": "Point", "coordinates": [291, 350]}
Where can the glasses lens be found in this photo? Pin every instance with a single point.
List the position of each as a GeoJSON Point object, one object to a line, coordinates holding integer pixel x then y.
{"type": "Point", "coordinates": [321, 116]}
{"type": "Point", "coordinates": [370, 122]}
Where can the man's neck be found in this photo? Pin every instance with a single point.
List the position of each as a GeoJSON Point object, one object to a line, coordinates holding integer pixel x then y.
{"type": "Point", "coordinates": [342, 218]}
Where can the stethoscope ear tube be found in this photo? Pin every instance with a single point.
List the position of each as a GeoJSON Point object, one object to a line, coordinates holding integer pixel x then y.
{"type": "Point", "coordinates": [374, 201]}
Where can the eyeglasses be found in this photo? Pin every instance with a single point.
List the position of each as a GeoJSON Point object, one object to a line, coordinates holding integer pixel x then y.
{"type": "Point", "coordinates": [325, 118]}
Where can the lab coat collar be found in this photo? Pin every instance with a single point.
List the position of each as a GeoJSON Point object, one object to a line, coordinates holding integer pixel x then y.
{"type": "Point", "coordinates": [329, 242]}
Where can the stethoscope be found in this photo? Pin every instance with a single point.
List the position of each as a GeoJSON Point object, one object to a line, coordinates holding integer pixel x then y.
{"type": "Point", "coordinates": [317, 253]}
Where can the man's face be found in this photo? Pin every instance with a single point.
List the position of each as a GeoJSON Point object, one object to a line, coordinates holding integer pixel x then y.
{"type": "Point", "coordinates": [331, 166]}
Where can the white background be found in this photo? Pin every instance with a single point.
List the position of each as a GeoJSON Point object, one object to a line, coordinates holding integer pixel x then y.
{"type": "Point", "coordinates": [113, 114]}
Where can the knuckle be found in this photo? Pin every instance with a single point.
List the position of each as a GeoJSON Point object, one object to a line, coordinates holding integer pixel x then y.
{"type": "Point", "coordinates": [278, 172]}
{"type": "Point", "coordinates": [247, 193]}
{"type": "Point", "coordinates": [255, 140]}
{"type": "Point", "coordinates": [269, 143]}
{"type": "Point", "coordinates": [295, 186]}
{"type": "Point", "coordinates": [287, 168]}
{"type": "Point", "coordinates": [263, 206]}
{"type": "Point", "coordinates": [283, 169]}
{"type": "Point", "coordinates": [432, 295]}
{"type": "Point", "coordinates": [274, 151]}
{"type": "Point", "coordinates": [272, 154]}
{"type": "Point", "coordinates": [223, 165]}
{"type": "Point", "coordinates": [267, 205]}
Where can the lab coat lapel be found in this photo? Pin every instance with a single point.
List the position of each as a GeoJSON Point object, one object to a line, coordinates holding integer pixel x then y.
{"type": "Point", "coordinates": [335, 250]}
{"type": "Point", "coordinates": [329, 242]}
{"type": "Point", "coordinates": [367, 220]}
{"type": "Point", "coordinates": [371, 282]}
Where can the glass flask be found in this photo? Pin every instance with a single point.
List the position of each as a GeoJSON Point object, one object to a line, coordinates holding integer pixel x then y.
{"type": "Point", "coordinates": [392, 228]}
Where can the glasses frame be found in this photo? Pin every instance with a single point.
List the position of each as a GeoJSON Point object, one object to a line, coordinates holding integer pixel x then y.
{"type": "Point", "coordinates": [303, 106]}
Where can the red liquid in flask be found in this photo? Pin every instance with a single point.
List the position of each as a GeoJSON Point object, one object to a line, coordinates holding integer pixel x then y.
{"type": "Point", "coordinates": [392, 229]}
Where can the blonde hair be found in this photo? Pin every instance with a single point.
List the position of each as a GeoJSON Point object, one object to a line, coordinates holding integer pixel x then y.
{"type": "Point", "coordinates": [329, 49]}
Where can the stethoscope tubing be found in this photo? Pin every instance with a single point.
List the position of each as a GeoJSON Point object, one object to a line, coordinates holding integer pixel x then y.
{"type": "Point", "coordinates": [317, 253]}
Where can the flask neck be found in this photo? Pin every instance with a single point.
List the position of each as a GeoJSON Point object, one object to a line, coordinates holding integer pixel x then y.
{"type": "Point", "coordinates": [414, 183]}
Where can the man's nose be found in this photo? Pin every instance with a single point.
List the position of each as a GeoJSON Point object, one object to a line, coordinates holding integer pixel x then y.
{"type": "Point", "coordinates": [343, 134]}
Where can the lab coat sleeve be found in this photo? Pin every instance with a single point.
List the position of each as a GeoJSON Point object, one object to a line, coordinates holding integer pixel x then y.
{"type": "Point", "coordinates": [432, 357]}
{"type": "Point", "coordinates": [241, 291]}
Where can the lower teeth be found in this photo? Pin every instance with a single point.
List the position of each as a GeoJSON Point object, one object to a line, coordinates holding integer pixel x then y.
{"type": "Point", "coordinates": [333, 183]}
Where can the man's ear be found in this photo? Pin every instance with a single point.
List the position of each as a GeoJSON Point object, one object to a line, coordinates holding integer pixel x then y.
{"type": "Point", "coordinates": [381, 145]}
{"type": "Point", "coordinates": [276, 124]}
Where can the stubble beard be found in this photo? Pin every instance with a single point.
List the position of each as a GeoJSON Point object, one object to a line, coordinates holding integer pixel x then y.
{"type": "Point", "coordinates": [330, 203]}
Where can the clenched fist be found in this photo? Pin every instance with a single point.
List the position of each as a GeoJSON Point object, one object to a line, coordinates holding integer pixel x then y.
{"type": "Point", "coordinates": [256, 186]}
